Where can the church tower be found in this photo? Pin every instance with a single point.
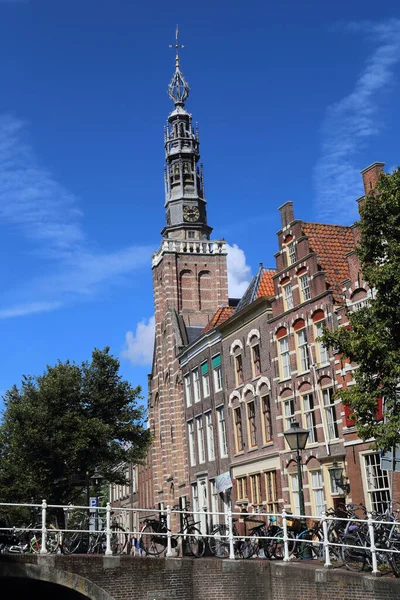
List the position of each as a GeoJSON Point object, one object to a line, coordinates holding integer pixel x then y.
{"type": "Point", "coordinates": [190, 284]}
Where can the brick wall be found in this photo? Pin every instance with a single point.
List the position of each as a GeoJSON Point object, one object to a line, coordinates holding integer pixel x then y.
{"type": "Point", "coordinates": [126, 577]}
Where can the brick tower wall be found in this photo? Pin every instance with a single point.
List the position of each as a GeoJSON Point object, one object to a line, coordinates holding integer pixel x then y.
{"type": "Point", "coordinates": [193, 286]}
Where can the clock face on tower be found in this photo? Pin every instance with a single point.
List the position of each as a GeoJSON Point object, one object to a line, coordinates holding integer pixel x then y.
{"type": "Point", "coordinates": [191, 214]}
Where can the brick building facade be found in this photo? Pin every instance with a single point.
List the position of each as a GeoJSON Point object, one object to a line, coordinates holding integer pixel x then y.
{"type": "Point", "coordinates": [272, 369]}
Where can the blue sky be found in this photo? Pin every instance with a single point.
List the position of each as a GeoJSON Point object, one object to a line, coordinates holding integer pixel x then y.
{"type": "Point", "coordinates": [293, 100]}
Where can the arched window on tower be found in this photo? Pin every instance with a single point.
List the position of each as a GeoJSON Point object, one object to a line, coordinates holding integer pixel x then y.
{"type": "Point", "coordinates": [187, 171]}
{"type": "Point", "coordinates": [187, 286]}
{"type": "Point", "coordinates": [205, 283]}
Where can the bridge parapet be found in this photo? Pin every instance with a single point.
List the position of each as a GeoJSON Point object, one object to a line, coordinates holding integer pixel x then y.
{"type": "Point", "coordinates": [134, 578]}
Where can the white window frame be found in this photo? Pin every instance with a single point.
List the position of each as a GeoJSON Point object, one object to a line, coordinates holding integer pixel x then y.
{"type": "Point", "coordinates": [223, 444]}
{"type": "Point", "coordinates": [288, 412]}
{"type": "Point", "coordinates": [302, 351]}
{"type": "Point", "coordinates": [192, 443]}
{"type": "Point", "coordinates": [196, 385]}
{"type": "Point", "coordinates": [294, 484]}
{"type": "Point", "coordinates": [309, 410]}
{"type": "Point", "coordinates": [205, 378]}
{"type": "Point", "coordinates": [210, 436]}
{"type": "Point", "coordinates": [305, 292]}
{"type": "Point", "coordinates": [322, 351]}
{"type": "Point", "coordinates": [377, 489]}
{"type": "Point", "coordinates": [330, 413]}
{"type": "Point", "coordinates": [188, 389]}
{"type": "Point", "coordinates": [284, 358]}
{"type": "Point", "coordinates": [288, 296]}
{"type": "Point", "coordinates": [201, 449]}
{"type": "Point", "coordinates": [317, 486]}
{"type": "Point", "coordinates": [291, 248]}
{"type": "Point", "coordinates": [217, 375]}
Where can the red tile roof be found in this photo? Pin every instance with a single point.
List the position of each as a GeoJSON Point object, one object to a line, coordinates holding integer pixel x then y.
{"type": "Point", "coordinates": [266, 286]}
{"type": "Point", "coordinates": [219, 317]}
{"type": "Point", "coordinates": [331, 243]}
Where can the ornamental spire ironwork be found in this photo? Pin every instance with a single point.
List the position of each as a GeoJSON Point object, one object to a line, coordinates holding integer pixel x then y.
{"type": "Point", "coordinates": [178, 89]}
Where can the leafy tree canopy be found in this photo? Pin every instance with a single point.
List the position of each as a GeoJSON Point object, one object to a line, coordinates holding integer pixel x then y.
{"type": "Point", "coordinates": [373, 338]}
{"type": "Point", "coordinates": [65, 423]}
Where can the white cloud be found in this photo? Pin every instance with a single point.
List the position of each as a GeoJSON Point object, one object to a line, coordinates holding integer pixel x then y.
{"type": "Point", "coordinates": [352, 121]}
{"type": "Point", "coordinates": [138, 347]}
{"type": "Point", "coordinates": [239, 273]}
{"type": "Point", "coordinates": [28, 309]}
{"type": "Point", "coordinates": [43, 211]}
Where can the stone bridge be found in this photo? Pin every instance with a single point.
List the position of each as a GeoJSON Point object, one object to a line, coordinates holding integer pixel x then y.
{"type": "Point", "coordinates": [77, 577]}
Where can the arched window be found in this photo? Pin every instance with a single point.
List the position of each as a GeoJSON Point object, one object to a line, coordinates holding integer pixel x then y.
{"type": "Point", "coordinates": [205, 284]}
{"type": "Point", "coordinates": [321, 352]}
{"type": "Point", "coordinates": [303, 360]}
{"type": "Point", "coordinates": [283, 353]}
{"type": "Point", "coordinates": [187, 290]}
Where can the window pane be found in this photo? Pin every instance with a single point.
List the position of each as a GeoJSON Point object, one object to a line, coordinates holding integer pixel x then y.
{"type": "Point", "coordinates": [188, 390]}
{"type": "Point", "coordinates": [267, 424]}
{"type": "Point", "coordinates": [238, 429]}
{"type": "Point", "coordinates": [251, 416]}
{"type": "Point", "coordinates": [223, 448]}
{"type": "Point", "coordinates": [210, 436]}
{"type": "Point", "coordinates": [377, 483]}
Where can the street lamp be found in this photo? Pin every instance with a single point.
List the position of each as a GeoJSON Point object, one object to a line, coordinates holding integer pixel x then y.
{"type": "Point", "coordinates": [296, 438]}
{"type": "Point", "coordinates": [337, 471]}
{"type": "Point", "coordinates": [96, 480]}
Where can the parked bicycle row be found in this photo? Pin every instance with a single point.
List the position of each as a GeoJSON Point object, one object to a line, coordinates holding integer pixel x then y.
{"type": "Point", "coordinates": [82, 532]}
{"type": "Point", "coordinates": [347, 535]}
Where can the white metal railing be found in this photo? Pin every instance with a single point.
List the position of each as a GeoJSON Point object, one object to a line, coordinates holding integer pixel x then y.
{"type": "Point", "coordinates": [232, 538]}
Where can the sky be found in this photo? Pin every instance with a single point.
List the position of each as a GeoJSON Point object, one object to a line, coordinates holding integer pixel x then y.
{"type": "Point", "coordinates": [293, 99]}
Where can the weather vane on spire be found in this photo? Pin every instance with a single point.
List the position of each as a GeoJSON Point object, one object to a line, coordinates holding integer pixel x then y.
{"type": "Point", "coordinates": [178, 88]}
{"type": "Point", "coordinates": [176, 46]}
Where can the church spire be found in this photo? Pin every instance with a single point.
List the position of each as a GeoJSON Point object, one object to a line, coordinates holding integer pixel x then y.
{"type": "Point", "coordinates": [178, 89]}
{"type": "Point", "coordinates": [185, 203]}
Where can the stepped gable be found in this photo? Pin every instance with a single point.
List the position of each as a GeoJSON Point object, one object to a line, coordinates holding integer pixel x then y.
{"type": "Point", "coordinates": [331, 243]}
{"type": "Point", "coordinates": [219, 317]}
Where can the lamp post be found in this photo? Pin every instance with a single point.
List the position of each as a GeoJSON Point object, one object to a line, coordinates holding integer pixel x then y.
{"type": "Point", "coordinates": [96, 480]}
{"type": "Point", "coordinates": [296, 438]}
{"type": "Point", "coordinates": [337, 471]}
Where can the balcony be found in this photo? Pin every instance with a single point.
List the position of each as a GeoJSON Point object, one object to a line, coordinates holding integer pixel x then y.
{"type": "Point", "coordinates": [188, 247]}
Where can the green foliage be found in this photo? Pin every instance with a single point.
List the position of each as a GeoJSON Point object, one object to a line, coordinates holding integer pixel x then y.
{"type": "Point", "coordinates": [373, 340]}
{"type": "Point", "coordinates": [67, 422]}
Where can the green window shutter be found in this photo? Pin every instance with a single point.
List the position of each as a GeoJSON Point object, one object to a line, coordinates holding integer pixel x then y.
{"type": "Point", "coordinates": [204, 368]}
{"type": "Point", "coordinates": [216, 361]}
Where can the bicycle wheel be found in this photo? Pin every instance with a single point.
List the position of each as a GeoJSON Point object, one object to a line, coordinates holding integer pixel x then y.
{"type": "Point", "coordinates": [195, 542]}
{"type": "Point", "coordinates": [277, 546]}
{"type": "Point", "coordinates": [249, 546]}
{"type": "Point", "coordinates": [354, 559]}
{"type": "Point", "coordinates": [219, 542]}
{"type": "Point", "coordinates": [52, 540]}
{"type": "Point", "coordinates": [151, 541]}
{"type": "Point", "coordinates": [309, 544]}
{"type": "Point", "coordinates": [394, 557]}
{"type": "Point", "coordinates": [119, 539]}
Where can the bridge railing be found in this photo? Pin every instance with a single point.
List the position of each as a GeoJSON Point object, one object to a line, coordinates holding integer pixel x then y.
{"type": "Point", "coordinates": [368, 538]}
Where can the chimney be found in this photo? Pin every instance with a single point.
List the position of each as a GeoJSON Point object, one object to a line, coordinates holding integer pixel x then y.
{"type": "Point", "coordinates": [286, 211]}
{"type": "Point", "coordinates": [370, 176]}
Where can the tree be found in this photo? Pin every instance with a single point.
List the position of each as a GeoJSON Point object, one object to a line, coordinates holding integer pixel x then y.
{"type": "Point", "coordinates": [373, 337]}
{"type": "Point", "coordinates": [67, 422]}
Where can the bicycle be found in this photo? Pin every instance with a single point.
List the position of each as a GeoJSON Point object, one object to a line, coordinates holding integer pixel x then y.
{"type": "Point", "coordinates": [154, 535]}
{"type": "Point", "coordinates": [82, 540]}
